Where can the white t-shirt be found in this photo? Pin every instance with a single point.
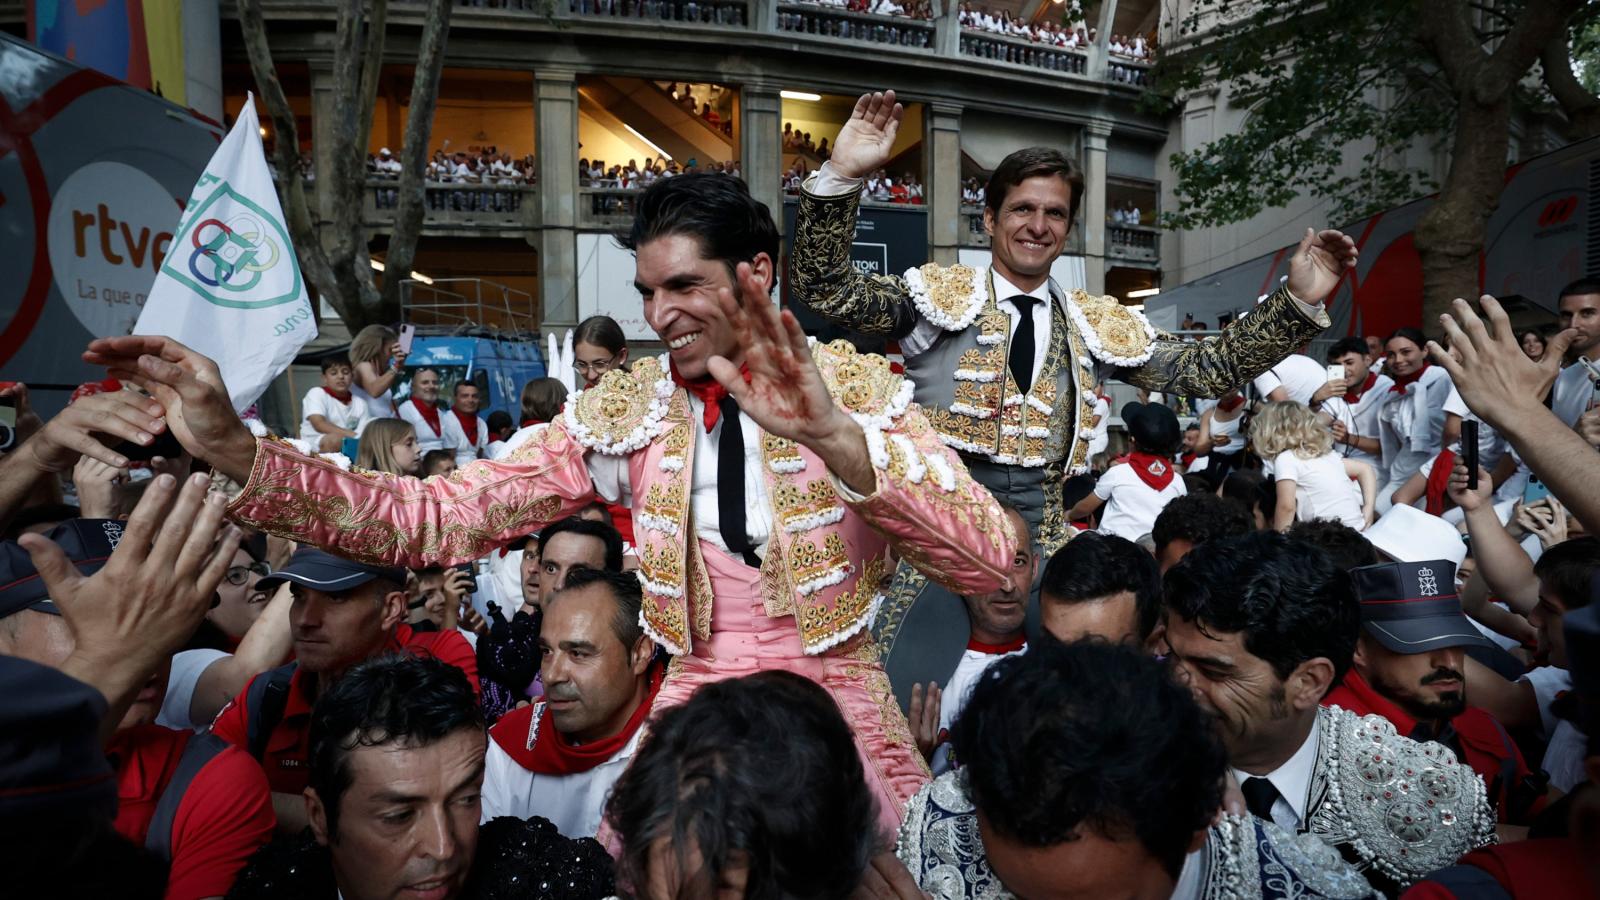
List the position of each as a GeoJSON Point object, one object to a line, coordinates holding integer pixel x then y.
{"type": "Point", "coordinates": [573, 803]}
{"type": "Point", "coordinates": [187, 667]}
{"type": "Point", "coordinates": [1361, 420]}
{"type": "Point", "coordinates": [1228, 428]}
{"type": "Point", "coordinates": [1563, 755]}
{"type": "Point", "coordinates": [1131, 505]}
{"type": "Point", "coordinates": [1321, 488]}
{"type": "Point", "coordinates": [381, 407]}
{"type": "Point", "coordinates": [351, 416]}
{"type": "Point", "coordinates": [1491, 446]}
{"type": "Point", "coordinates": [1298, 374]}
{"type": "Point", "coordinates": [956, 691]}
{"type": "Point", "coordinates": [449, 436]}
{"type": "Point", "coordinates": [467, 450]}
{"type": "Point", "coordinates": [1572, 393]}
{"type": "Point", "coordinates": [1100, 438]}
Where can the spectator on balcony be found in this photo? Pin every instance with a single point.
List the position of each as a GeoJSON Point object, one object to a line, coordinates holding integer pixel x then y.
{"type": "Point", "coordinates": [710, 115]}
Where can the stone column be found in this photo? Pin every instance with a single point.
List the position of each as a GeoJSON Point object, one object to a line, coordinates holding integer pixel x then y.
{"type": "Point", "coordinates": [1094, 206]}
{"type": "Point", "coordinates": [1099, 50]}
{"type": "Point", "coordinates": [324, 118]}
{"type": "Point", "coordinates": [760, 149]}
{"type": "Point", "coordinates": [555, 94]}
{"type": "Point", "coordinates": [941, 147]}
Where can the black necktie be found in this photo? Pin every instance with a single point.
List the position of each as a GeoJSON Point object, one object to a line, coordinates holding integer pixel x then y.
{"type": "Point", "coordinates": [1021, 361]}
{"type": "Point", "coordinates": [1259, 795]}
{"type": "Point", "coordinates": [730, 484]}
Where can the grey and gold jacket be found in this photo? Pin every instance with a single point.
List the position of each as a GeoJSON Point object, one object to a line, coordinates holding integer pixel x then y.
{"type": "Point", "coordinates": [962, 380]}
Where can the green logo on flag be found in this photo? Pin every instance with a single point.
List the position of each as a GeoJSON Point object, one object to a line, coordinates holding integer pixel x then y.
{"type": "Point", "coordinates": [233, 253]}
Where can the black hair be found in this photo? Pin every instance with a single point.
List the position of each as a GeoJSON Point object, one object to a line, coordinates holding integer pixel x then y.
{"type": "Point", "coordinates": [1347, 547]}
{"type": "Point", "coordinates": [1090, 735]}
{"type": "Point", "coordinates": [499, 420]}
{"type": "Point", "coordinates": [1286, 597]}
{"type": "Point", "coordinates": [625, 589]}
{"type": "Point", "coordinates": [711, 777]}
{"type": "Point", "coordinates": [603, 332]}
{"type": "Point", "coordinates": [1250, 489]}
{"type": "Point", "coordinates": [1522, 335]}
{"type": "Point", "coordinates": [1192, 426]}
{"type": "Point", "coordinates": [1094, 565]}
{"type": "Point", "coordinates": [334, 359]}
{"type": "Point", "coordinates": [465, 382]}
{"type": "Point", "coordinates": [1414, 335]}
{"type": "Point", "coordinates": [1579, 287]}
{"type": "Point", "coordinates": [1034, 162]}
{"type": "Point", "coordinates": [588, 528]}
{"type": "Point", "coordinates": [434, 456]}
{"type": "Point", "coordinates": [1568, 568]}
{"type": "Point", "coordinates": [393, 698]}
{"type": "Point", "coordinates": [1345, 345]}
{"type": "Point", "coordinates": [717, 210]}
{"type": "Point", "coordinates": [1199, 517]}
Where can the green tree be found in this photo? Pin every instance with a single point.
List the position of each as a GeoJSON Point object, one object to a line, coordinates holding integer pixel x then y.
{"type": "Point", "coordinates": [1323, 80]}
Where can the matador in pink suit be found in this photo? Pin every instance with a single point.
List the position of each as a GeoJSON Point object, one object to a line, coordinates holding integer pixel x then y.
{"type": "Point", "coordinates": [768, 477]}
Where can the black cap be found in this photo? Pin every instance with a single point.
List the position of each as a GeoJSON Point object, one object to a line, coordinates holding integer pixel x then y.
{"type": "Point", "coordinates": [87, 542]}
{"type": "Point", "coordinates": [51, 759]}
{"type": "Point", "coordinates": [322, 571]}
{"type": "Point", "coordinates": [1412, 607]}
{"type": "Point", "coordinates": [1153, 425]}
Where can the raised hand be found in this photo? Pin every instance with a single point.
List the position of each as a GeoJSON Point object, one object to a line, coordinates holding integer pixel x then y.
{"type": "Point", "coordinates": [90, 428]}
{"type": "Point", "coordinates": [1470, 499]}
{"type": "Point", "coordinates": [1487, 365]}
{"type": "Point", "coordinates": [1319, 262]}
{"type": "Point", "coordinates": [189, 388]}
{"type": "Point", "coordinates": [924, 718]}
{"type": "Point", "coordinates": [865, 141]}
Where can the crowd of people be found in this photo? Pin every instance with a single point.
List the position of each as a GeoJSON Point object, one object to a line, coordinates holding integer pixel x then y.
{"type": "Point", "coordinates": [911, 9]}
{"type": "Point", "coordinates": [768, 618]}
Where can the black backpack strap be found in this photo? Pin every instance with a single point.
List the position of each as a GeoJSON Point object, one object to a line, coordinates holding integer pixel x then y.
{"type": "Point", "coordinates": [265, 700]}
{"type": "Point", "coordinates": [201, 749]}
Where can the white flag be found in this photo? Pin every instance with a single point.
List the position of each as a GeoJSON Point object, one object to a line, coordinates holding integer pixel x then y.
{"type": "Point", "coordinates": [230, 287]}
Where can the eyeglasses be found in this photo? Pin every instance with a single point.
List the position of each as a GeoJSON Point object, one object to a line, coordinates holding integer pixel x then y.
{"type": "Point", "coordinates": [239, 575]}
{"type": "Point", "coordinates": [601, 365]}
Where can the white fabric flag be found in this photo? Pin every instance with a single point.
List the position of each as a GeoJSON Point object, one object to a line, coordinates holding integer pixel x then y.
{"type": "Point", "coordinates": [230, 287]}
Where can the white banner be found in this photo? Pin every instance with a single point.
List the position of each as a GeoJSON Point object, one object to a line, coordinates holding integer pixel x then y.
{"type": "Point", "coordinates": [230, 287]}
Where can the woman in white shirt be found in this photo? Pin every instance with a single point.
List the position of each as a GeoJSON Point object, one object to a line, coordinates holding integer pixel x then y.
{"type": "Point", "coordinates": [1411, 420]}
{"type": "Point", "coordinates": [376, 356]}
{"type": "Point", "coordinates": [1313, 482]}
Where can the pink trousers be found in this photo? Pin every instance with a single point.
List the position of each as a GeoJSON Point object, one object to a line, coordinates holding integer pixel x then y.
{"type": "Point", "coordinates": [744, 640]}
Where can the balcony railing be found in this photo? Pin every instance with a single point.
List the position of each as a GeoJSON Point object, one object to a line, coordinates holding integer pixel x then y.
{"type": "Point", "coordinates": [1127, 71]}
{"type": "Point", "coordinates": [730, 13]}
{"type": "Point", "coordinates": [455, 205]}
{"type": "Point", "coordinates": [973, 234]}
{"type": "Point", "coordinates": [1023, 53]}
{"type": "Point", "coordinates": [1134, 243]}
{"type": "Point", "coordinates": [608, 208]}
{"type": "Point", "coordinates": [838, 23]}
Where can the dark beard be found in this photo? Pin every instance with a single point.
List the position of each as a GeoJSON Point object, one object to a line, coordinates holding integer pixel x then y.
{"type": "Point", "coordinates": [1441, 709]}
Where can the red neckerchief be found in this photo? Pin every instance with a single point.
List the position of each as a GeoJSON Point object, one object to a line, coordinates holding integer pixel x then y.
{"type": "Point", "coordinates": [429, 413]}
{"type": "Point", "coordinates": [1354, 397]}
{"type": "Point", "coordinates": [469, 426]}
{"type": "Point", "coordinates": [1188, 459]}
{"type": "Point", "coordinates": [519, 734]}
{"type": "Point", "coordinates": [1231, 403]}
{"type": "Point", "coordinates": [1439, 481]}
{"type": "Point", "coordinates": [1151, 469]}
{"type": "Point", "coordinates": [709, 391]}
{"type": "Point", "coordinates": [1400, 381]}
{"type": "Point", "coordinates": [1010, 646]}
{"type": "Point", "coordinates": [341, 396]}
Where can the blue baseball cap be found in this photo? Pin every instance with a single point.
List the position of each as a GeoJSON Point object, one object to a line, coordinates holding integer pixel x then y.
{"type": "Point", "coordinates": [88, 543]}
{"type": "Point", "coordinates": [322, 571]}
{"type": "Point", "coordinates": [1412, 607]}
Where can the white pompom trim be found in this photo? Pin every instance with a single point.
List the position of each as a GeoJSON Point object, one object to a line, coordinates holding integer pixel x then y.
{"type": "Point", "coordinates": [787, 465]}
{"type": "Point", "coordinates": [1092, 339]}
{"type": "Point", "coordinates": [854, 629]}
{"type": "Point", "coordinates": [638, 438]}
{"type": "Point", "coordinates": [918, 288]}
{"type": "Point", "coordinates": [815, 520]}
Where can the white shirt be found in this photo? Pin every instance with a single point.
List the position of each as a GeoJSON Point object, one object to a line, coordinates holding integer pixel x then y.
{"type": "Point", "coordinates": [350, 416]}
{"type": "Point", "coordinates": [1293, 781]}
{"type": "Point", "coordinates": [1299, 375]}
{"type": "Point", "coordinates": [1361, 419]}
{"type": "Point", "coordinates": [380, 407]}
{"type": "Point", "coordinates": [449, 436]}
{"type": "Point", "coordinates": [1408, 441]}
{"type": "Point", "coordinates": [466, 450]}
{"type": "Point", "coordinates": [1131, 505]}
{"type": "Point", "coordinates": [573, 803]}
{"type": "Point", "coordinates": [1100, 438]}
{"type": "Point", "coordinates": [388, 168]}
{"type": "Point", "coordinates": [611, 481]}
{"type": "Point", "coordinates": [1491, 445]}
{"type": "Point", "coordinates": [1563, 755]}
{"type": "Point", "coordinates": [1572, 393]}
{"type": "Point", "coordinates": [956, 691]}
{"type": "Point", "coordinates": [1228, 428]}
{"type": "Point", "coordinates": [1321, 488]}
{"type": "Point", "coordinates": [187, 667]}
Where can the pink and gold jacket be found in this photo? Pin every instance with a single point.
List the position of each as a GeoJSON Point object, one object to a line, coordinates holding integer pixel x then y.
{"type": "Point", "coordinates": [823, 564]}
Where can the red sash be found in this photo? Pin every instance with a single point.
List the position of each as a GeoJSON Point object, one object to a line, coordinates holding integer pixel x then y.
{"type": "Point", "coordinates": [709, 391]}
{"type": "Point", "coordinates": [519, 734]}
{"type": "Point", "coordinates": [1151, 469]}
{"type": "Point", "coordinates": [1400, 381]}
{"type": "Point", "coordinates": [1354, 397]}
{"type": "Point", "coordinates": [1010, 646]}
{"type": "Point", "coordinates": [429, 414]}
{"type": "Point", "coordinates": [469, 426]}
{"type": "Point", "coordinates": [341, 396]}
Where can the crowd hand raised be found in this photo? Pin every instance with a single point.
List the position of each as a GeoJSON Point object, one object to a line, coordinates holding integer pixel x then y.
{"type": "Point", "coordinates": [1319, 262]}
{"type": "Point", "coordinates": [887, 878]}
{"type": "Point", "coordinates": [1487, 365]}
{"type": "Point", "coordinates": [457, 585]}
{"type": "Point", "coordinates": [97, 488]}
{"type": "Point", "coordinates": [1589, 427]}
{"type": "Point", "coordinates": [397, 354]}
{"type": "Point", "coordinates": [152, 593]}
{"type": "Point", "coordinates": [1470, 499]}
{"type": "Point", "coordinates": [924, 718]}
{"type": "Point", "coordinates": [189, 387]}
{"type": "Point", "coordinates": [865, 142]}
{"type": "Point", "coordinates": [92, 427]}
{"type": "Point", "coordinates": [1334, 388]}
{"type": "Point", "coordinates": [1546, 519]}
{"type": "Point", "coordinates": [28, 421]}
